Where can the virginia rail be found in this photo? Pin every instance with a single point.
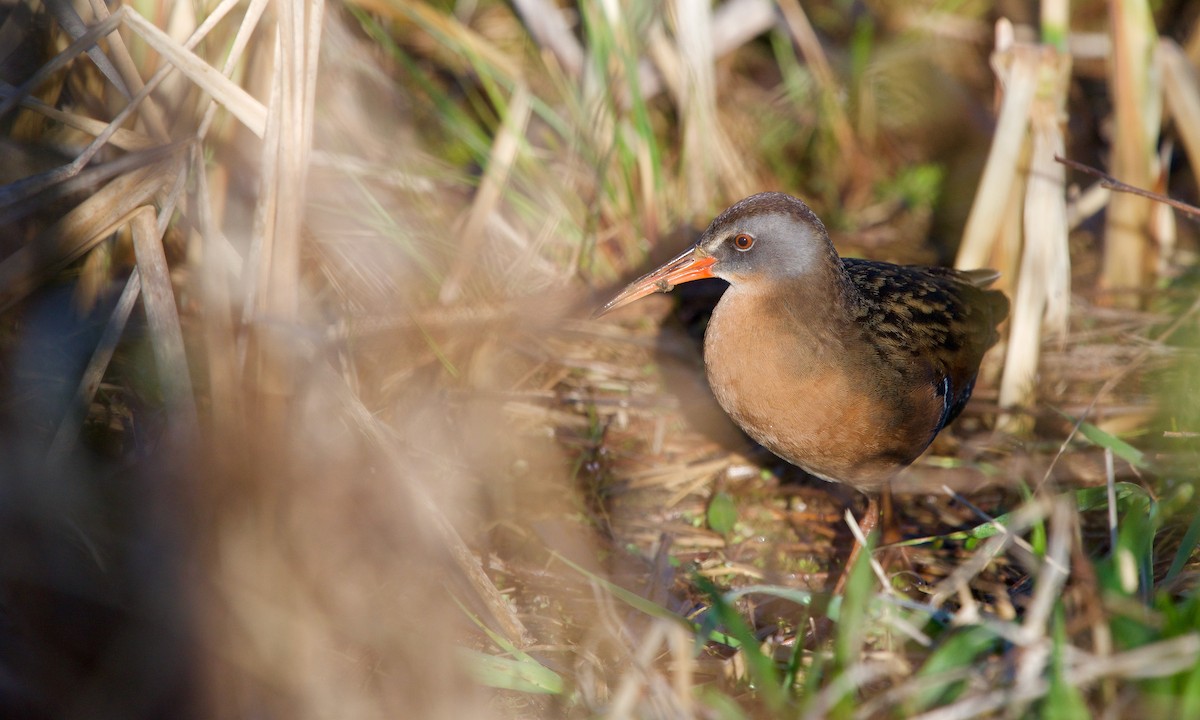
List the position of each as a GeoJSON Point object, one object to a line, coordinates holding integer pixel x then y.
{"type": "Point", "coordinates": [846, 368]}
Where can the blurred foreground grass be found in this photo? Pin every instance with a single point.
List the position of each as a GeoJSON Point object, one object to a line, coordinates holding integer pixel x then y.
{"type": "Point", "coordinates": [363, 454]}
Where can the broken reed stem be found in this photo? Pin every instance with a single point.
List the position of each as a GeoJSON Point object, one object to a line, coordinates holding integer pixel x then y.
{"type": "Point", "coordinates": [151, 115]}
{"type": "Point", "coordinates": [1019, 81]}
{"type": "Point", "coordinates": [1042, 298]}
{"type": "Point", "coordinates": [166, 336]}
{"type": "Point", "coordinates": [79, 230]}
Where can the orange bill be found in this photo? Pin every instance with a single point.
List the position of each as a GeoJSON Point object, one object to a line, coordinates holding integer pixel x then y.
{"type": "Point", "coordinates": [691, 264]}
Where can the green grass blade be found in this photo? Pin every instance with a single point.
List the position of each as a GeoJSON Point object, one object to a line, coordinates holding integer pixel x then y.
{"type": "Point", "coordinates": [959, 650]}
{"type": "Point", "coordinates": [1063, 700]}
{"type": "Point", "coordinates": [637, 602]}
{"type": "Point", "coordinates": [1119, 447]}
{"type": "Point", "coordinates": [628, 597]}
{"type": "Point", "coordinates": [1189, 694]}
{"type": "Point", "coordinates": [764, 675]}
{"type": "Point", "coordinates": [520, 674]}
{"type": "Point", "coordinates": [1191, 539]}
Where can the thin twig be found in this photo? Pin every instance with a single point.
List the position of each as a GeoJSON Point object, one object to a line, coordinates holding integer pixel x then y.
{"type": "Point", "coordinates": [1110, 182]}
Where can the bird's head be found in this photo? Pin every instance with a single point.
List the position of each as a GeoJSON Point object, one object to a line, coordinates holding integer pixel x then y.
{"type": "Point", "coordinates": [766, 237]}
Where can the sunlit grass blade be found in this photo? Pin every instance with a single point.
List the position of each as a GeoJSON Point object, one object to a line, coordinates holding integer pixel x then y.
{"type": "Point", "coordinates": [645, 606]}
{"type": "Point", "coordinates": [1103, 439]}
{"type": "Point", "coordinates": [521, 674]}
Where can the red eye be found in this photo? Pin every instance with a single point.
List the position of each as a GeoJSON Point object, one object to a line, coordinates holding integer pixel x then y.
{"type": "Point", "coordinates": [743, 242]}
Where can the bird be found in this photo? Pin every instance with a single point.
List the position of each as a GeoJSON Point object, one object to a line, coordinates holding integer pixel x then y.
{"type": "Point", "coordinates": [846, 368]}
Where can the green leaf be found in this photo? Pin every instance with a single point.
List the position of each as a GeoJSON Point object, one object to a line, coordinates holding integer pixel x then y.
{"type": "Point", "coordinates": [626, 596]}
{"type": "Point", "coordinates": [722, 513]}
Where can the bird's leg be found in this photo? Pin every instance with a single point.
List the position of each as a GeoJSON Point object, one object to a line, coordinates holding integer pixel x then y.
{"type": "Point", "coordinates": [891, 554]}
{"type": "Point", "coordinates": [867, 523]}
{"type": "Point", "coordinates": [889, 526]}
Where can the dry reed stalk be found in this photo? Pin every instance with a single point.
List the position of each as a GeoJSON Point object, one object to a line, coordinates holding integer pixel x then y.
{"type": "Point", "coordinates": [708, 165]}
{"type": "Point", "coordinates": [1043, 285]}
{"type": "Point", "coordinates": [217, 274]}
{"type": "Point", "coordinates": [80, 230]}
{"type": "Point", "coordinates": [239, 102]}
{"type": "Point", "coordinates": [1034, 636]}
{"type": "Point", "coordinates": [128, 140]}
{"type": "Point", "coordinates": [1182, 97]}
{"type": "Point", "coordinates": [61, 59]}
{"type": "Point", "coordinates": [697, 103]}
{"type": "Point", "coordinates": [70, 22]}
{"type": "Point", "coordinates": [241, 40]}
{"type": "Point", "coordinates": [549, 28]}
{"type": "Point", "coordinates": [30, 186]}
{"type": "Point", "coordinates": [271, 305]}
{"type": "Point", "coordinates": [1137, 115]}
{"type": "Point", "coordinates": [712, 167]}
{"type": "Point", "coordinates": [151, 114]}
{"type": "Point", "coordinates": [1034, 79]}
{"type": "Point", "coordinates": [166, 336]}
{"type": "Point", "coordinates": [1010, 237]}
{"type": "Point", "coordinates": [68, 430]}
{"type": "Point", "coordinates": [1016, 73]}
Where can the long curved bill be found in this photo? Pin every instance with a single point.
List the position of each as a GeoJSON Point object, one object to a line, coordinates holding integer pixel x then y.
{"type": "Point", "coordinates": [691, 264]}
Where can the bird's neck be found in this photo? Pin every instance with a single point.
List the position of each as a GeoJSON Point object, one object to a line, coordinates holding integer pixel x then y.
{"type": "Point", "coordinates": [812, 311]}
{"type": "Point", "coordinates": [824, 291]}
